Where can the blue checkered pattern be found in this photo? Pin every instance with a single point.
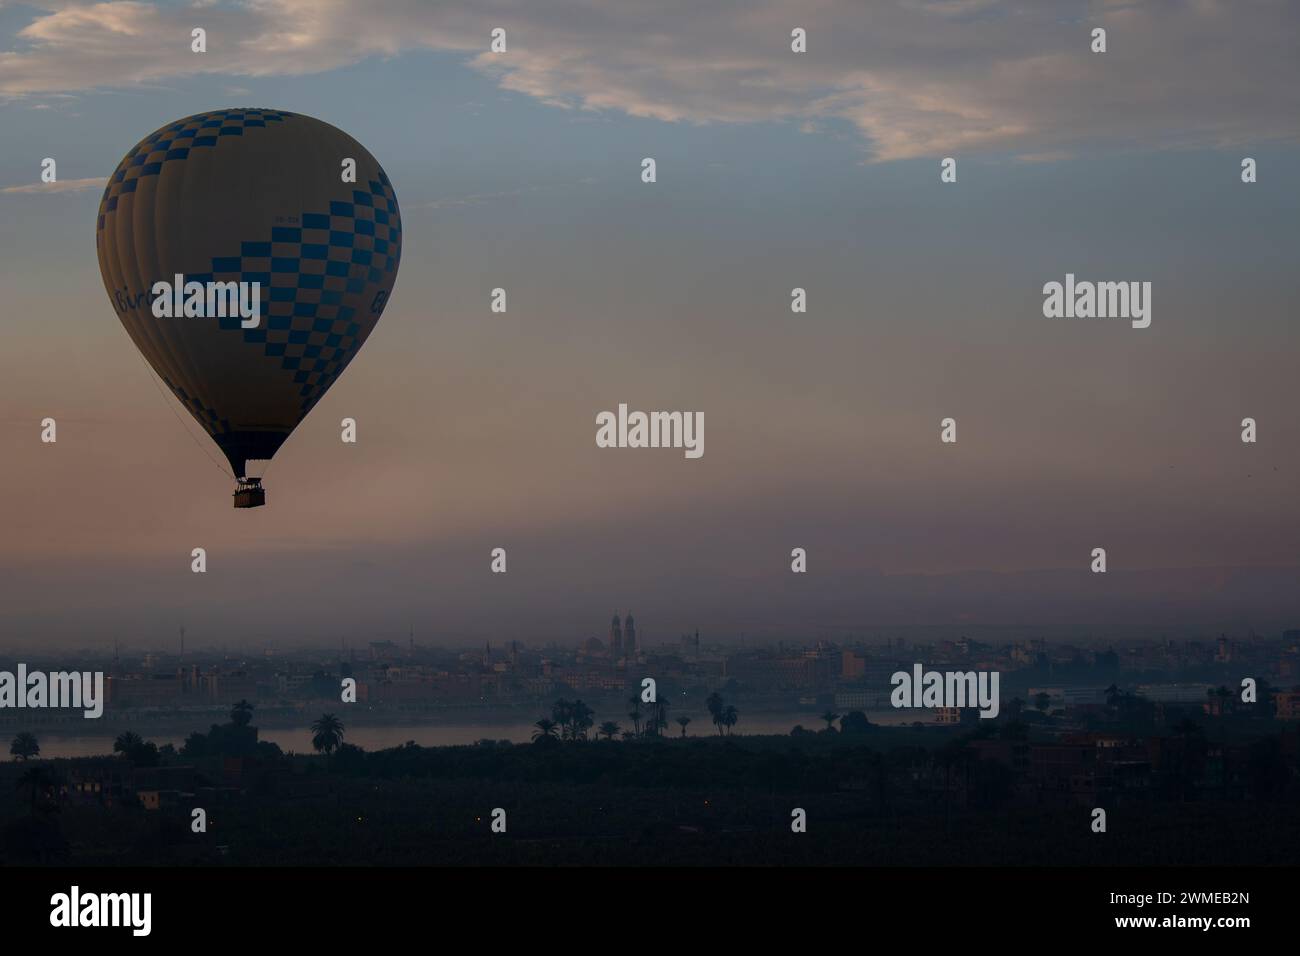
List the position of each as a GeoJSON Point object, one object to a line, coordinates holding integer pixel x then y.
{"type": "Point", "coordinates": [214, 424]}
{"type": "Point", "coordinates": [304, 272]}
{"type": "Point", "coordinates": [174, 143]}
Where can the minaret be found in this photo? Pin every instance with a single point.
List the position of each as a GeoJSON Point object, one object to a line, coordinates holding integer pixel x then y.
{"type": "Point", "coordinates": [616, 639]}
{"type": "Point", "coordinates": [629, 637]}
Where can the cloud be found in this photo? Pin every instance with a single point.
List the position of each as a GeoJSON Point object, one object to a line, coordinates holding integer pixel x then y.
{"type": "Point", "coordinates": [59, 186]}
{"type": "Point", "coordinates": [914, 77]}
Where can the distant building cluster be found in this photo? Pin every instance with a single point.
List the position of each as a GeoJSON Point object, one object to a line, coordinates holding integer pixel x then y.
{"type": "Point", "coordinates": [1065, 682]}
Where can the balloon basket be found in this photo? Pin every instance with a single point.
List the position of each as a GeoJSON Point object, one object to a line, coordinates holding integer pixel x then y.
{"type": "Point", "coordinates": [249, 493]}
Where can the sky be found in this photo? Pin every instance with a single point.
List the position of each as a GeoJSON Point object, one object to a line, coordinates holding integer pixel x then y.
{"type": "Point", "coordinates": [775, 170]}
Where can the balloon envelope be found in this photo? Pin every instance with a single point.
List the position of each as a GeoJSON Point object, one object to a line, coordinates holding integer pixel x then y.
{"type": "Point", "coordinates": [250, 195]}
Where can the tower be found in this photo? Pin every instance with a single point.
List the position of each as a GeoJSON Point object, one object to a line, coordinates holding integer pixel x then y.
{"type": "Point", "coordinates": [616, 639]}
{"type": "Point", "coordinates": [629, 637]}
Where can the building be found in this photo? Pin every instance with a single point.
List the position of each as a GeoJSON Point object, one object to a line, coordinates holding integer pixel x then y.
{"type": "Point", "coordinates": [852, 665]}
{"type": "Point", "coordinates": [629, 637]}
{"type": "Point", "coordinates": [164, 799]}
{"type": "Point", "coordinates": [1224, 651]}
{"type": "Point", "coordinates": [158, 690]}
{"type": "Point", "coordinates": [616, 639]}
{"type": "Point", "coordinates": [856, 700]}
{"type": "Point", "coordinates": [1286, 704]}
{"type": "Point", "coordinates": [954, 716]}
{"type": "Point", "coordinates": [230, 688]}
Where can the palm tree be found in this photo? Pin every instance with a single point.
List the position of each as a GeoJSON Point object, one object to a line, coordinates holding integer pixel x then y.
{"type": "Point", "coordinates": [729, 717]}
{"type": "Point", "coordinates": [545, 729]}
{"type": "Point", "coordinates": [25, 746]}
{"type": "Point", "coordinates": [830, 717]}
{"type": "Point", "coordinates": [562, 713]}
{"type": "Point", "coordinates": [635, 714]}
{"type": "Point", "coordinates": [608, 729]}
{"type": "Point", "coordinates": [327, 734]}
{"type": "Point", "coordinates": [660, 715]}
{"type": "Point", "coordinates": [141, 752]}
{"type": "Point", "coordinates": [714, 703]}
{"type": "Point", "coordinates": [40, 780]}
{"type": "Point", "coordinates": [241, 714]}
{"type": "Point", "coordinates": [581, 719]}
{"type": "Point", "coordinates": [683, 721]}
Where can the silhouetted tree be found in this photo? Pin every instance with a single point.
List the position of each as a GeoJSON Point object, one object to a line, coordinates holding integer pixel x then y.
{"type": "Point", "coordinates": [608, 729]}
{"type": "Point", "coordinates": [25, 746]}
{"type": "Point", "coordinates": [684, 722]}
{"type": "Point", "coordinates": [635, 713]}
{"type": "Point", "coordinates": [830, 717]}
{"type": "Point", "coordinates": [241, 714]}
{"type": "Point", "coordinates": [729, 717]}
{"type": "Point", "coordinates": [327, 734]}
{"type": "Point", "coordinates": [546, 729]}
{"type": "Point", "coordinates": [580, 720]}
{"type": "Point", "coordinates": [660, 715]}
{"type": "Point", "coordinates": [140, 752]}
{"type": "Point", "coordinates": [715, 705]}
{"type": "Point", "coordinates": [854, 722]}
{"type": "Point", "coordinates": [562, 714]}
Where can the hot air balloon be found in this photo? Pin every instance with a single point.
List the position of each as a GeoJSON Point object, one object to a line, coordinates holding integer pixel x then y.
{"type": "Point", "coordinates": [249, 196]}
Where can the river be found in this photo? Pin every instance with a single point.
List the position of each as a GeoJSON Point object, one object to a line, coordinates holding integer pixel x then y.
{"type": "Point", "coordinates": [383, 736]}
